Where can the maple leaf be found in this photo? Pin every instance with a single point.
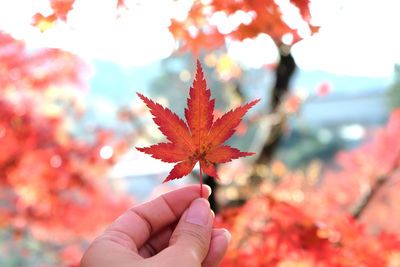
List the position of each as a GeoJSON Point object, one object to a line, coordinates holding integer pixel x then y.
{"type": "Point", "coordinates": [201, 139]}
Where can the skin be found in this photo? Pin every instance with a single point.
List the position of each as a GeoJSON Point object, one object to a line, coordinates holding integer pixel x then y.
{"type": "Point", "coordinates": [175, 229]}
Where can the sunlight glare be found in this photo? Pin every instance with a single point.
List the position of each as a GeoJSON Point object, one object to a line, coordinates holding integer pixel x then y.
{"type": "Point", "coordinates": [106, 152]}
{"type": "Point", "coordinates": [349, 41]}
{"type": "Point", "coordinates": [254, 53]}
{"type": "Point", "coordinates": [94, 32]}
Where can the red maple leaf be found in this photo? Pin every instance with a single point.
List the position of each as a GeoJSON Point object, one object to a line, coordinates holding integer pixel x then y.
{"type": "Point", "coordinates": [201, 139]}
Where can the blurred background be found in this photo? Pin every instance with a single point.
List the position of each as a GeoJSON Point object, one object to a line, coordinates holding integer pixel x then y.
{"type": "Point", "coordinates": [322, 189]}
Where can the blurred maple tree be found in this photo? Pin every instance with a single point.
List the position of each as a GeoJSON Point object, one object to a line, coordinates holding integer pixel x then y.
{"type": "Point", "coordinates": [50, 180]}
{"type": "Point", "coordinates": [199, 31]}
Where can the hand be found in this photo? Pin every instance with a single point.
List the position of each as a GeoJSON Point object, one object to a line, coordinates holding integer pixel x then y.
{"type": "Point", "coordinates": [175, 229]}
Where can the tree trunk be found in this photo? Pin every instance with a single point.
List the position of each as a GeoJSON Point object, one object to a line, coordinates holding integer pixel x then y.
{"type": "Point", "coordinates": [283, 74]}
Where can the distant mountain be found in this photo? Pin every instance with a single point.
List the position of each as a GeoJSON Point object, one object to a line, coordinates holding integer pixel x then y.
{"type": "Point", "coordinates": [310, 80]}
{"type": "Point", "coordinates": [351, 100]}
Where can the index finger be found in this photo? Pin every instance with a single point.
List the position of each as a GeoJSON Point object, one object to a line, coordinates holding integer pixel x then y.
{"type": "Point", "coordinates": [140, 222]}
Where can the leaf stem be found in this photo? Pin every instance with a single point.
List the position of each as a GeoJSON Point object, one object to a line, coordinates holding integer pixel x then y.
{"type": "Point", "coordinates": [201, 183]}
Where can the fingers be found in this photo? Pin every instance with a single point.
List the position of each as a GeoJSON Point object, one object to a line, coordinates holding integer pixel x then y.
{"type": "Point", "coordinates": [220, 239]}
{"type": "Point", "coordinates": [106, 253]}
{"type": "Point", "coordinates": [140, 222]}
{"type": "Point", "coordinates": [157, 242]}
{"type": "Point", "coordinates": [193, 232]}
{"type": "Point", "coordinates": [190, 240]}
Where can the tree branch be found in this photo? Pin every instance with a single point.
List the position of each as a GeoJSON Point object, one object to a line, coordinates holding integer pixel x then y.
{"type": "Point", "coordinates": [365, 201]}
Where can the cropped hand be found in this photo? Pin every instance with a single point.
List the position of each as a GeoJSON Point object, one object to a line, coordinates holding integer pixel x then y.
{"type": "Point", "coordinates": [175, 229]}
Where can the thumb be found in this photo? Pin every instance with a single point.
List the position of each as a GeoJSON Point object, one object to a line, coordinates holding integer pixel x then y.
{"type": "Point", "coordinates": [190, 240]}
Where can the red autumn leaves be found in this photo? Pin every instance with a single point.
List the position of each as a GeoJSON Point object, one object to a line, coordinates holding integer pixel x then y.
{"type": "Point", "coordinates": [201, 139]}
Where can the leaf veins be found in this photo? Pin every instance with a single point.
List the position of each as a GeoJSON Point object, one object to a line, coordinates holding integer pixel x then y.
{"type": "Point", "coordinates": [200, 140]}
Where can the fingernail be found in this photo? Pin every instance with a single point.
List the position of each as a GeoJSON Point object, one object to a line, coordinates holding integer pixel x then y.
{"type": "Point", "coordinates": [222, 232]}
{"type": "Point", "coordinates": [227, 235]}
{"type": "Point", "coordinates": [198, 212]}
{"type": "Point", "coordinates": [209, 190]}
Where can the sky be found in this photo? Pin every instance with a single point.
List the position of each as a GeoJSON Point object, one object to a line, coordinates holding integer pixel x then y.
{"type": "Point", "coordinates": [357, 37]}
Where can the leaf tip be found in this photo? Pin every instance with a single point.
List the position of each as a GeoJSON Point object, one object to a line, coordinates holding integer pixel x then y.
{"type": "Point", "coordinates": [255, 101]}
{"type": "Point", "coordinates": [169, 178]}
{"type": "Point", "coordinates": [199, 71]}
{"type": "Point", "coordinates": [140, 95]}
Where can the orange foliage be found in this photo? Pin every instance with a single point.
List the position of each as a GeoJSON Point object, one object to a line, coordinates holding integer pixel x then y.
{"type": "Point", "coordinates": [60, 8]}
{"type": "Point", "coordinates": [50, 181]}
{"type": "Point", "coordinates": [191, 31]}
{"type": "Point", "coordinates": [303, 222]}
{"type": "Point", "coordinates": [23, 70]}
{"type": "Point", "coordinates": [267, 232]}
{"type": "Point", "coordinates": [197, 31]}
